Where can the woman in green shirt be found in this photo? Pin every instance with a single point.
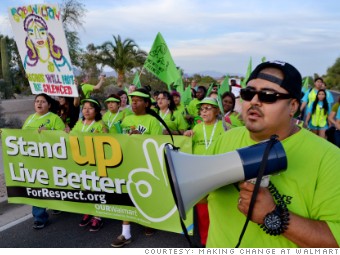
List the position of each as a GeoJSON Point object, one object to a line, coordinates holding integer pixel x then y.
{"type": "Point", "coordinates": [233, 118]}
{"type": "Point", "coordinates": [43, 119]}
{"type": "Point", "coordinates": [143, 122]}
{"type": "Point", "coordinates": [113, 117]}
{"type": "Point", "coordinates": [91, 122]}
{"type": "Point", "coordinates": [125, 108]}
{"type": "Point", "coordinates": [166, 109]}
{"type": "Point", "coordinates": [204, 135]}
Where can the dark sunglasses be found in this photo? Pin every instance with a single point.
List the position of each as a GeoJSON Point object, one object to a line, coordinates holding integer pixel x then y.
{"type": "Point", "coordinates": [206, 108]}
{"type": "Point", "coordinates": [265, 96]}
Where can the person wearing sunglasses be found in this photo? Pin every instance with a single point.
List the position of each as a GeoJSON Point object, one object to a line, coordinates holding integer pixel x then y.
{"type": "Point", "coordinates": [299, 208]}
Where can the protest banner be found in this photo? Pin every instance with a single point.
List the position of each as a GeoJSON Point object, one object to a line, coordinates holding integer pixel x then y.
{"type": "Point", "coordinates": [42, 46]}
{"type": "Point", "coordinates": [112, 176]}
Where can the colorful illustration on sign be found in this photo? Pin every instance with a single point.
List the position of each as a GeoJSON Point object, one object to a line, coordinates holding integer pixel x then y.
{"type": "Point", "coordinates": [41, 45]}
{"type": "Point", "coordinates": [43, 49]}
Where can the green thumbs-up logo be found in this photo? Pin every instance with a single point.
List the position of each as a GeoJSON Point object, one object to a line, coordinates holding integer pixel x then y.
{"type": "Point", "coordinates": [149, 187]}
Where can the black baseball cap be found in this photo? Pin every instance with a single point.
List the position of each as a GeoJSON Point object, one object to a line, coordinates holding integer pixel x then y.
{"type": "Point", "coordinates": [292, 81]}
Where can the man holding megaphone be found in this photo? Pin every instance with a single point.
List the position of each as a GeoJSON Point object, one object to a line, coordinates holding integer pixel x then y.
{"type": "Point", "coordinates": [300, 208]}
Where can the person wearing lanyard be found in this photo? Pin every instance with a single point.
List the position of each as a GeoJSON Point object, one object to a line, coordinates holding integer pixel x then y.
{"type": "Point", "coordinates": [143, 122]}
{"type": "Point", "coordinates": [42, 119]}
{"type": "Point", "coordinates": [203, 136]}
{"type": "Point", "coordinates": [91, 122]}
{"type": "Point", "coordinates": [113, 117]}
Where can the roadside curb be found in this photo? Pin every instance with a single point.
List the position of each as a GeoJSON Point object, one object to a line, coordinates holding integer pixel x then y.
{"type": "Point", "coordinates": [3, 204]}
{"type": "Point", "coordinates": [3, 193]}
{"type": "Point", "coordinates": [3, 200]}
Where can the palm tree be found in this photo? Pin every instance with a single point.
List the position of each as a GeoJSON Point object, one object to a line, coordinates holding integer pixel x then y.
{"type": "Point", "coordinates": [122, 56]}
{"type": "Point", "coordinates": [73, 13]}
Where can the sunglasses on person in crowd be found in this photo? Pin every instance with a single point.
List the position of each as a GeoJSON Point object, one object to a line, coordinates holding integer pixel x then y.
{"type": "Point", "coordinates": [265, 96]}
{"type": "Point", "coordinates": [206, 108]}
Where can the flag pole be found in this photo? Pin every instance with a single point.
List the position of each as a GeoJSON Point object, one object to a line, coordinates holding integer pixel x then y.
{"type": "Point", "coordinates": [140, 73]}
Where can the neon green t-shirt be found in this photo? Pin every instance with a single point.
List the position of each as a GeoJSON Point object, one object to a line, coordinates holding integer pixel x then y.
{"type": "Point", "coordinates": [310, 186]}
{"type": "Point", "coordinates": [145, 124]}
{"type": "Point", "coordinates": [94, 127]}
{"type": "Point", "coordinates": [112, 121]}
{"type": "Point", "coordinates": [49, 120]}
{"type": "Point", "coordinates": [127, 111]}
{"type": "Point", "coordinates": [175, 121]}
{"type": "Point", "coordinates": [234, 120]}
{"type": "Point", "coordinates": [199, 144]}
{"type": "Point", "coordinates": [181, 109]}
{"type": "Point", "coordinates": [192, 107]}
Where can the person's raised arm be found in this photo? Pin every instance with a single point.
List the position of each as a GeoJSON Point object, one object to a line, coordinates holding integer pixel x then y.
{"type": "Point", "coordinates": [100, 83]}
{"type": "Point", "coordinates": [76, 100]}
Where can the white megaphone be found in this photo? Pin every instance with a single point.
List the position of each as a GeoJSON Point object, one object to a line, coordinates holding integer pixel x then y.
{"type": "Point", "coordinates": [193, 176]}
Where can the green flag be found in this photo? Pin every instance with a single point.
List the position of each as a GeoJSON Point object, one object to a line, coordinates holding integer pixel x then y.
{"type": "Point", "coordinates": [305, 86]}
{"type": "Point", "coordinates": [210, 89]}
{"type": "Point", "coordinates": [136, 80]}
{"type": "Point", "coordinates": [220, 105]}
{"type": "Point", "coordinates": [224, 86]}
{"type": "Point", "coordinates": [179, 86]}
{"type": "Point", "coordinates": [160, 63]}
{"type": "Point", "coordinates": [186, 96]}
{"type": "Point", "coordinates": [249, 69]}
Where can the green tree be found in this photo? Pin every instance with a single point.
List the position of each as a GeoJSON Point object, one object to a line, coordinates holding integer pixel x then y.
{"type": "Point", "coordinates": [197, 77]}
{"type": "Point", "coordinates": [122, 56]}
{"type": "Point", "coordinates": [6, 71]}
{"type": "Point", "coordinates": [19, 76]}
{"type": "Point", "coordinates": [73, 13]}
{"type": "Point", "coordinates": [89, 60]}
{"type": "Point", "coordinates": [206, 80]}
{"type": "Point", "coordinates": [332, 77]}
{"type": "Point", "coordinates": [17, 72]}
{"type": "Point", "coordinates": [1, 75]}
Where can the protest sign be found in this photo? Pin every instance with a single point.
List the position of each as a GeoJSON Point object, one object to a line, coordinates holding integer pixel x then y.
{"type": "Point", "coordinates": [112, 176]}
{"type": "Point", "coordinates": [42, 46]}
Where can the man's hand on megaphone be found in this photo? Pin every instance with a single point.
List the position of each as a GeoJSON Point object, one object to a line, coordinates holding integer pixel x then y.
{"type": "Point", "coordinates": [264, 201]}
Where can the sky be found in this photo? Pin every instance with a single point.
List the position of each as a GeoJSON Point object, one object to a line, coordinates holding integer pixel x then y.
{"type": "Point", "coordinates": [216, 35]}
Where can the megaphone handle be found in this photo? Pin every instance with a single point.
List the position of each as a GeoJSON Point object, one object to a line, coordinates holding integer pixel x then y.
{"type": "Point", "coordinates": [263, 166]}
{"type": "Point", "coordinates": [264, 181]}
